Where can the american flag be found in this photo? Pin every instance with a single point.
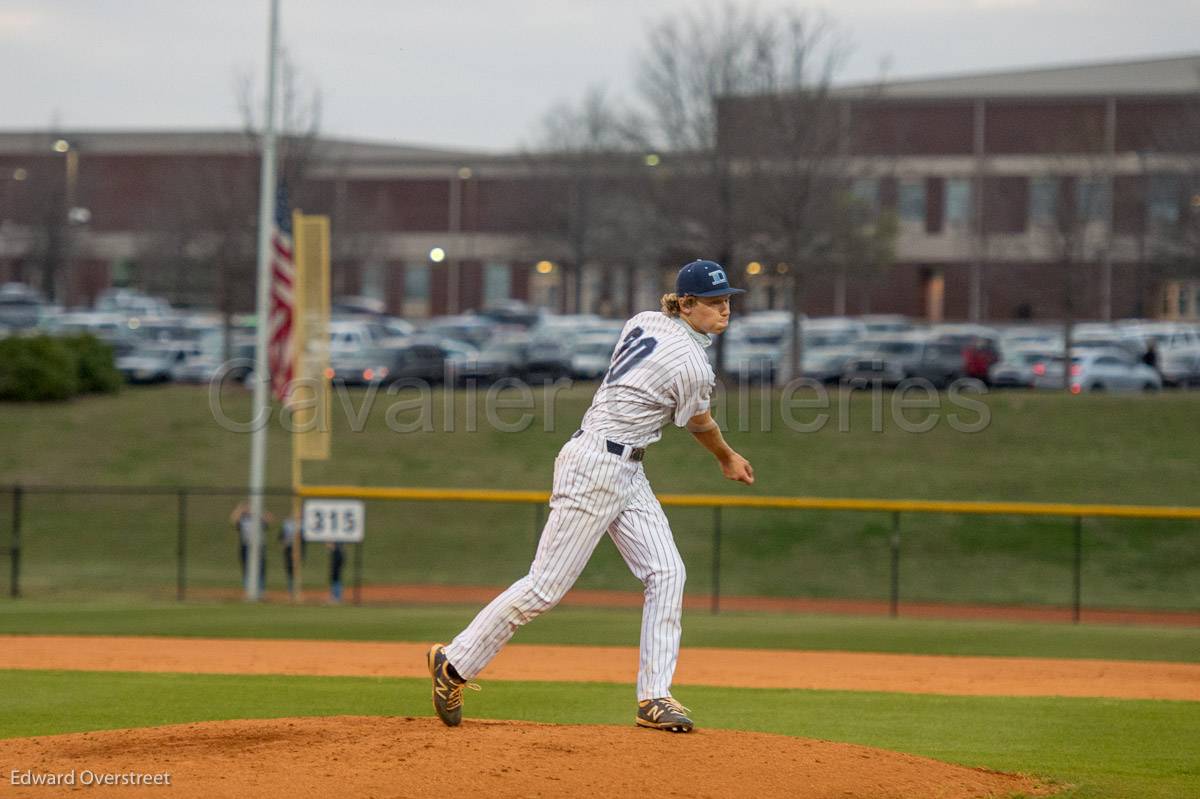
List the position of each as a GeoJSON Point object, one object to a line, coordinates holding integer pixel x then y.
{"type": "Point", "coordinates": [281, 356]}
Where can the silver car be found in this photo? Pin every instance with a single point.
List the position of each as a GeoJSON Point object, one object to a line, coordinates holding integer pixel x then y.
{"type": "Point", "coordinates": [1095, 369]}
{"type": "Point", "coordinates": [1020, 367]}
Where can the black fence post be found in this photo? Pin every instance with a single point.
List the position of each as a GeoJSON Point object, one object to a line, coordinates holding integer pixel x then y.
{"type": "Point", "coordinates": [358, 569]}
{"type": "Point", "coordinates": [1077, 588]}
{"type": "Point", "coordinates": [716, 561]}
{"type": "Point", "coordinates": [181, 546]}
{"type": "Point", "coordinates": [14, 576]}
{"type": "Point", "coordinates": [894, 604]}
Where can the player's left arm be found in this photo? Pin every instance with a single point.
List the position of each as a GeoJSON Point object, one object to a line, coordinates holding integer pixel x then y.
{"type": "Point", "coordinates": [705, 430]}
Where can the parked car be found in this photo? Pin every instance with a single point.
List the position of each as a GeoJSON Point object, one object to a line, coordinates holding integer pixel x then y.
{"type": "Point", "coordinates": [395, 327]}
{"type": "Point", "coordinates": [513, 313]}
{"type": "Point", "coordinates": [1176, 349]}
{"type": "Point", "coordinates": [131, 303]}
{"type": "Point", "coordinates": [877, 324]}
{"type": "Point", "coordinates": [1020, 367]}
{"type": "Point", "coordinates": [155, 363]}
{"type": "Point", "coordinates": [1179, 366]}
{"type": "Point", "coordinates": [1096, 369]}
{"type": "Point", "coordinates": [1022, 336]}
{"type": "Point", "coordinates": [454, 355]}
{"type": "Point", "coordinates": [349, 338]}
{"type": "Point", "coordinates": [827, 363]}
{"type": "Point", "coordinates": [494, 361]}
{"type": "Point", "coordinates": [749, 362]}
{"type": "Point", "coordinates": [108, 327]}
{"type": "Point", "coordinates": [899, 357]}
{"type": "Point", "coordinates": [1131, 344]}
{"type": "Point", "coordinates": [417, 359]}
{"type": "Point", "coordinates": [547, 360]}
{"type": "Point", "coordinates": [832, 331]}
{"type": "Point", "coordinates": [591, 356]}
{"type": "Point", "coordinates": [474, 330]}
{"type": "Point", "coordinates": [210, 363]}
{"type": "Point", "coordinates": [21, 307]}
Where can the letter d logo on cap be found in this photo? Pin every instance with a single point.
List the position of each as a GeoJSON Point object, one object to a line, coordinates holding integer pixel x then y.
{"type": "Point", "coordinates": [718, 276]}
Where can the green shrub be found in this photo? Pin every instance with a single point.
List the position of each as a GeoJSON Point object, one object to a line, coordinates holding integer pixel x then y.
{"type": "Point", "coordinates": [37, 369]}
{"type": "Point", "coordinates": [97, 370]}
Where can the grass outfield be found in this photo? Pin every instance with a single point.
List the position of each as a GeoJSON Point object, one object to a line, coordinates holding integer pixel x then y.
{"type": "Point", "coordinates": [608, 628]}
{"type": "Point", "coordinates": [1036, 447]}
{"type": "Point", "coordinates": [1108, 749]}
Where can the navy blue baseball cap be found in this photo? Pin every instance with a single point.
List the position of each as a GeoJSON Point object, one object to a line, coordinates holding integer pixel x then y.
{"type": "Point", "coordinates": [704, 279]}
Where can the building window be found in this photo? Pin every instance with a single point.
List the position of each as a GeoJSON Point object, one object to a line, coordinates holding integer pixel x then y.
{"type": "Point", "coordinates": [912, 200]}
{"type": "Point", "coordinates": [374, 277]}
{"type": "Point", "coordinates": [958, 200]}
{"type": "Point", "coordinates": [1162, 205]}
{"type": "Point", "coordinates": [1043, 199]}
{"type": "Point", "coordinates": [865, 191]}
{"type": "Point", "coordinates": [497, 283]}
{"type": "Point", "coordinates": [1091, 199]}
{"type": "Point", "coordinates": [416, 282]}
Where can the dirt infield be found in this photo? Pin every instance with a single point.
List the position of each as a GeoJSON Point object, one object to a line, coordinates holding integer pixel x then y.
{"type": "Point", "coordinates": [849, 671]}
{"type": "Point", "coordinates": [406, 757]}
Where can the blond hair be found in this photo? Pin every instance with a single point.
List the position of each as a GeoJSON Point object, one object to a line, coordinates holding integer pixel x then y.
{"type": "Point", "coordinates": [672, 303]}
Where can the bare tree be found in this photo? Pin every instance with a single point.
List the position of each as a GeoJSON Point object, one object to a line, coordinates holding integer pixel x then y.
{"type": "Point", "coordinates": [207, 220]}
{"type": "Point", "coordinates": [597, 209]}
{"type": "Point", "coordinates": [1070, 224]}
{"type": "Point", "coordinates": [743, 99]}
{"type": "Point", "coordinates": [789, 150]}
{"type": "Point", "coordinates": [45, 209]}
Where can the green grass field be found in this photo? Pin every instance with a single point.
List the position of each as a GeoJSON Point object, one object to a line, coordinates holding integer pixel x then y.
{"type": "Point", "coordinates": [1107, 749]}
{"type": "Point", "coordinates": [1037, 447]}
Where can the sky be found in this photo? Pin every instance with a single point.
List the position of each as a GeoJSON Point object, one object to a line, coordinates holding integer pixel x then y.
{"type": "Point", "coordinates": [481, 73]}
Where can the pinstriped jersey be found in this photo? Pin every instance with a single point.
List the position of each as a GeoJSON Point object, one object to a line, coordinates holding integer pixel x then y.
{"type": "Point", "coordinates": [658, 374]}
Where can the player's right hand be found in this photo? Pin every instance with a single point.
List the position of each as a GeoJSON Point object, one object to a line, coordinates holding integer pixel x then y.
{"type": "Point", "coordinates": [735, 467]}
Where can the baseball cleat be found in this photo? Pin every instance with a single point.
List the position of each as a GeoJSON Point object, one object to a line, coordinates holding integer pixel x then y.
{"type": "Point", "coordinates": [447, 689]}
{"type": "Point", "coordinates": [663, 714]}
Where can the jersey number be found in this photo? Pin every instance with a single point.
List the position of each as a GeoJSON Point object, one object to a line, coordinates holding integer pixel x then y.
{"type": "Point", "coordinates": [633, 351]}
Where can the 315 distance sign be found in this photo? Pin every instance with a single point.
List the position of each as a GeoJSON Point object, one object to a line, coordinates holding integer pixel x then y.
{"type": "Point", "coordinates": [334, 520]}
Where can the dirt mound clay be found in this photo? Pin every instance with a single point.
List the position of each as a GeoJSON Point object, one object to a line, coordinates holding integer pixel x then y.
{"type": "Point", "coordinates": [407, 757]}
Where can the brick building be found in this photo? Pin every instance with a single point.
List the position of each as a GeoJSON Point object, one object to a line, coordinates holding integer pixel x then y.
{"type": "Point", "coordinates": [977, 170]}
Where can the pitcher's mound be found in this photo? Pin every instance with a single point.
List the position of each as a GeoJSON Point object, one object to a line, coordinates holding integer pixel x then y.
{"type": "Point", "coordinates": [403, 757]}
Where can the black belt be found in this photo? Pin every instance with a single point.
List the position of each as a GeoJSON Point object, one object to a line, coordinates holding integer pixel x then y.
{"type": "Point", "coordinates": [635, 453]}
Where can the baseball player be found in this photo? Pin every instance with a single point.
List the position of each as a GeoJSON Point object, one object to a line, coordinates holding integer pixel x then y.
{"type": "Point", "coordinates": [658, 374]}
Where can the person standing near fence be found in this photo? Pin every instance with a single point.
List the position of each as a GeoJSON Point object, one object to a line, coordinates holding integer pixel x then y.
{"type": "Point", "coordinates": [289, 532]}
{"type": "Point", "coordinates": [659, 373]}
{"type": "Point", "coordinates": [337, 559]}
{"type": "Point", "coordinates": [242, 522]}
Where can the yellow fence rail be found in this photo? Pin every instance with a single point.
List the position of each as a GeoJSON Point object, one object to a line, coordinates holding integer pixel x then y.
{"type": "Point", "coordinates": [1062, 509]}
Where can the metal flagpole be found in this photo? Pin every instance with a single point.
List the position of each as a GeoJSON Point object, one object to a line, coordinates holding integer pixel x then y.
{"type": "Point", "coordinates": [266, 218]}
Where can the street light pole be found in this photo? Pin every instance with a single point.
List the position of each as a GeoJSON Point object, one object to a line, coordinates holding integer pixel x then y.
{"type": "Point", "coordinates": [452, 304]}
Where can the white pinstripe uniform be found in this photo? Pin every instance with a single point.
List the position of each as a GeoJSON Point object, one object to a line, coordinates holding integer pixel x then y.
{"type": "Point", "coordinates": [659, 373]}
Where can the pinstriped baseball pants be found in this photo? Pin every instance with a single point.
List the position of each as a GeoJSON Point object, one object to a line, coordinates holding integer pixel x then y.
{"type": "Point", "coordinates": [594, 492]}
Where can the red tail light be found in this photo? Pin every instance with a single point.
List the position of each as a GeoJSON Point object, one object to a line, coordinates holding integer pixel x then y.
{"type": "Point", "coordinates": [368, 374]}
{"type": "Point", "coordinates": [1076, 388]}
{"type": "Point", "coordinates": [328, 373]}
{"type": "Point", "coordinates": [1039, 369]}
{"type": "Point", "coordinates": [1076, 369]}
